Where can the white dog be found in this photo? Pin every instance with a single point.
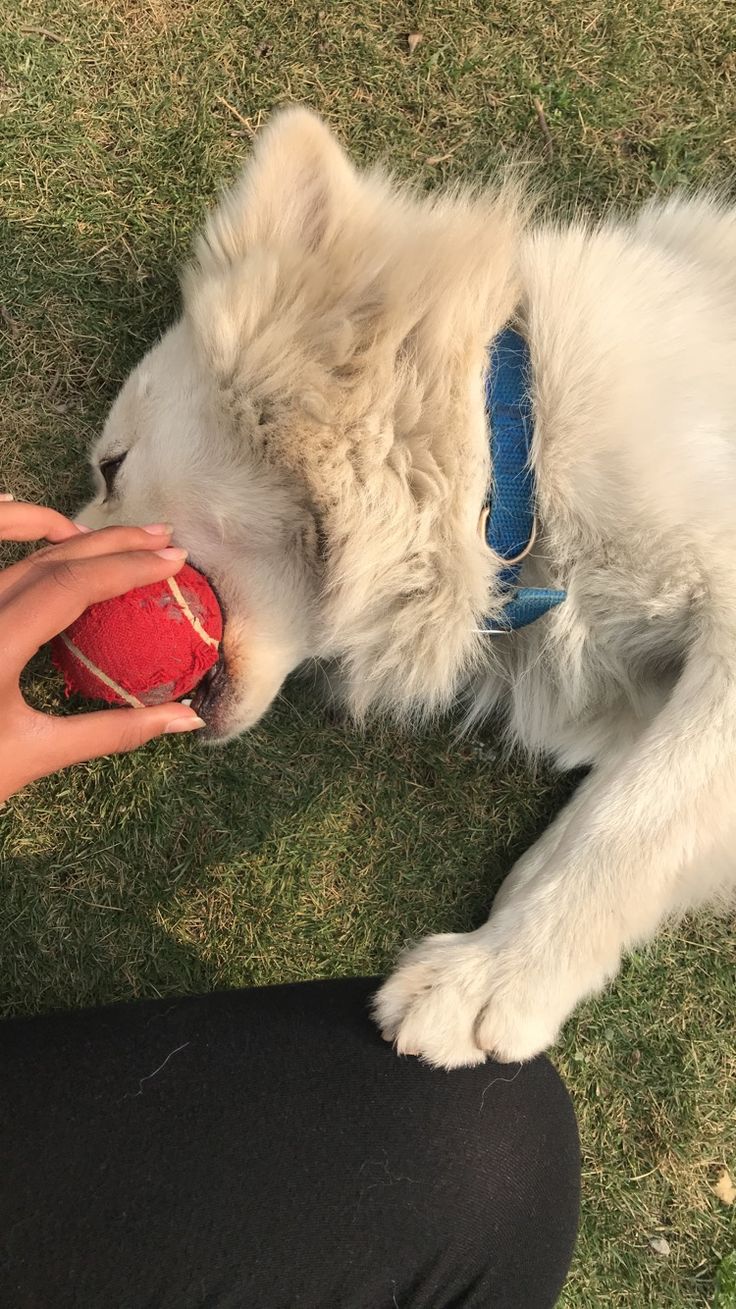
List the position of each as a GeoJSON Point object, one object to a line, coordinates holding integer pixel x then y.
{"type": "Point", "coordinates": [315, 428]}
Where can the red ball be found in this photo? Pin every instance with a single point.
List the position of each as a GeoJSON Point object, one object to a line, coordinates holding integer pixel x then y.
{"type": "Point", "coordinates": [151, 645]}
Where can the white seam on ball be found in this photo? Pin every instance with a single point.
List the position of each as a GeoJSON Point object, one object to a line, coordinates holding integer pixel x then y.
{"type": "Point", "coordinates": [127, 696]}
{"type": "Point", "coordinates": [199, 629]}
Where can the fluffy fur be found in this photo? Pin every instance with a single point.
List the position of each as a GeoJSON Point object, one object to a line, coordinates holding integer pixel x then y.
{"type": "Point", "coordinates": [314, 428]}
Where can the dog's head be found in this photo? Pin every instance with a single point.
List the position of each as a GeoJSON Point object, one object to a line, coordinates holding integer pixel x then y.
{"type": "Point", "coordinates": [313, 427]}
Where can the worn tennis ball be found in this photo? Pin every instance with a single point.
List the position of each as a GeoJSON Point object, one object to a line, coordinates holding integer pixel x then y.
{"type": "Point", "coordinates": [151, 645]}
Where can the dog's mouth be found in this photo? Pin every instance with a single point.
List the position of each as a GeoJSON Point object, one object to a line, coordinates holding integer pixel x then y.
{"type": "Point", "coordinates": [210, 699]}
{"type": "Point", "coordinates": [211, 696]}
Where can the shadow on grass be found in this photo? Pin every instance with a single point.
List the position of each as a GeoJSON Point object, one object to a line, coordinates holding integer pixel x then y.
{"type": "Point", "coordinates": [302, 850]}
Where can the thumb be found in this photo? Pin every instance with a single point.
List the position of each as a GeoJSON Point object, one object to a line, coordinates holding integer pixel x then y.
{"type": "Point", "coordinates": [108, 731]}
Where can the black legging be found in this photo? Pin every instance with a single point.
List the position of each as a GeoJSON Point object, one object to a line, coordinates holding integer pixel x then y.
{"type": "Point", "coordinates": [264, 1148]}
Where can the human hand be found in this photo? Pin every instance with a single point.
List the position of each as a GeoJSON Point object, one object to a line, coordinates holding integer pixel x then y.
{"type": "Point", "coordinates": [39, 597]}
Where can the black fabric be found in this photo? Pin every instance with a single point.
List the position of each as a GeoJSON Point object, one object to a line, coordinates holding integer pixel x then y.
{"type": "Point", "coordinates": [265, 1148]}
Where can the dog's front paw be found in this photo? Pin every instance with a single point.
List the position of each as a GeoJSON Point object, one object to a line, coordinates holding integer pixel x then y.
{"type": "Point", "coordinates": [454, 999]}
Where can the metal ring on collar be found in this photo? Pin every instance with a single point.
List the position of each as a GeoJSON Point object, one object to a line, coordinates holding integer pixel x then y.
{"type": "Point", "coordinates": [523, 553]}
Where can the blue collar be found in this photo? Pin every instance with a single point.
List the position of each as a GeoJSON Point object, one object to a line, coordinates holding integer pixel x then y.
{"type": "Point", "coordinates": [510, 522]}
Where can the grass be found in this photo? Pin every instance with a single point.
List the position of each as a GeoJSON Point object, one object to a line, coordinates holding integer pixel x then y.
{"type": "Point", "coordinates": [306, 850]}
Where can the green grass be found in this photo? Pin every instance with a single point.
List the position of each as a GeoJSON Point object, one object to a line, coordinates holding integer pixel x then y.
{"type": "Point", "coordinates": [307, 850]}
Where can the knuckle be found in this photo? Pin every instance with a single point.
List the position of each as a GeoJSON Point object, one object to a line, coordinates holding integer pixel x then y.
{"type": "Point", "coordinates": [67, 574]}
{"type": "Point", "coordinates": [42, 554]}
{"type": "Point", "coordinates": [122, 534]}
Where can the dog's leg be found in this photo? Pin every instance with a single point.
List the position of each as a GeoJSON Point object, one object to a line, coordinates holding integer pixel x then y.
{"type": "Point", "coordinates": [621, 735]}
{"type": "Point", "coordinates": [632, 848]}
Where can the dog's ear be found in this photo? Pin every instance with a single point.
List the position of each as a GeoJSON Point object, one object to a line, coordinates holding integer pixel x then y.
{"type": "Point", "coordinates": [294, 191]}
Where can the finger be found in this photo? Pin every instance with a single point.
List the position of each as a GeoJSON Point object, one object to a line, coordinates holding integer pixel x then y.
{"type": "Point", "coordinates": [23, 522]}
{"type": "Point", "coordinates": [56, 592]}
{"type": "Point", "coordinates": [110, 540]}
{"type": "Point", "coordinates": [49, 744]}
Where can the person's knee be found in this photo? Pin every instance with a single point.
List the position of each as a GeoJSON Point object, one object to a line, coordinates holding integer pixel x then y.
{"type": "Point", "coordinates": [513, 1164]}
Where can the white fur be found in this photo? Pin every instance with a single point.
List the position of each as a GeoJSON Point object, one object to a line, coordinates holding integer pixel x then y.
{"type": "Point", "coordinates": [314, 428]}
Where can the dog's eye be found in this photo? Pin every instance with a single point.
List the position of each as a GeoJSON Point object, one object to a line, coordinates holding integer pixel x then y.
{"type": "Point", "coordinates": [109, 469]}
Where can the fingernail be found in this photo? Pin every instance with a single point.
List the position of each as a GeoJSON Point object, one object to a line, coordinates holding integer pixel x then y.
{"type": "Point", "coordinates": [172, 552]}
{"type": "Point", "coordinates": [159, 529]}
{"type": "Point", "coordinates": [184, 725]}
{"type": "Point", "coordinates": [81, 527]}
{"type": "Point", "coordinates": [5, 495]}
